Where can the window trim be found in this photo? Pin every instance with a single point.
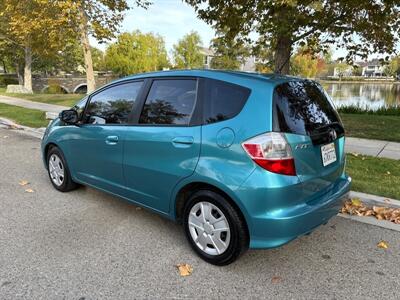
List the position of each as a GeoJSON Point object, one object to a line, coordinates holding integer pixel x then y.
{"type": "Point", "coordinates": [112, 85]}
{"type": "Point", "coordinates": [196, 117]}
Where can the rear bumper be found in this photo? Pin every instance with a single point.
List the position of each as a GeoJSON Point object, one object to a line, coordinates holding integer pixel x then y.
{"type": "Point", "coordinates": [277, 225]}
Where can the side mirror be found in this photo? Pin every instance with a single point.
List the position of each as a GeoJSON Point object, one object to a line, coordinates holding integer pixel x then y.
{"type": "Point", "coordinates": [69, 116]}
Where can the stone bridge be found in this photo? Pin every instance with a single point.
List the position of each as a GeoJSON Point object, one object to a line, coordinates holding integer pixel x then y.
{"type": "Point", "coordinates": [67, 84]}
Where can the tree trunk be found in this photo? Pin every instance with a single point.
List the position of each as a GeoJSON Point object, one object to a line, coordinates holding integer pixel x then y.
{"type": "Point", "coordinates": [4, 66]}
{"type": "Point", "coordinates": [28, 69]}
{"type": "Point", "coordinates": [18, 71]}
{"type": "Point", "coordinates": [90, 81]}
{"type": "Point", "coordinates": [282, 54]}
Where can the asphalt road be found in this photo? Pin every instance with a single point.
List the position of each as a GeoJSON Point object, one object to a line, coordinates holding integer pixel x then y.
{"type": "Point", "coordinates": [89, 245]}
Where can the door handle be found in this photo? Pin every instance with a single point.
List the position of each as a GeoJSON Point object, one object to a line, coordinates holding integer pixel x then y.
{"type": "Point", "coordinates": [112, 140]}
{"type": "Point", "coordinates": [182, 141]}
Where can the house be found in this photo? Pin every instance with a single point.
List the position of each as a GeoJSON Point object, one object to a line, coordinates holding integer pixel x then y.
{"type": "Point", "coordinates": [372, 68]}
{"type": "Point", "coordinates": [208, 55]}
{"type": "Point", "coordinates": [249, 64]}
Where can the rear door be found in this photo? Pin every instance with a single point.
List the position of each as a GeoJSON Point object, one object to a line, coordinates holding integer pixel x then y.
{"type": "Point", "coordinates": [303, 111]}
{"type": "Point", "coordinates": [164, 146]}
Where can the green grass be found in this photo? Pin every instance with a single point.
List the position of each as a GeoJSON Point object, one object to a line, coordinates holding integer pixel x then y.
{"type": "Point", "coordinates": [24, 116]}
{"type": "Point", "coordinates": [372, 126]}
{"type": "Point", "coordinates": [378, 176]}
{"type": "Point", "coordinates": [58, 99]}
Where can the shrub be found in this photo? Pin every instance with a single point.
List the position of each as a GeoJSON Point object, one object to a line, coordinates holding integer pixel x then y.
{"type": "Point", "coordinates": [54, 89]}
{"type": "Point", "coordinates": [383, 111]}
{"type": "Point", "coordinates": [6, 80]}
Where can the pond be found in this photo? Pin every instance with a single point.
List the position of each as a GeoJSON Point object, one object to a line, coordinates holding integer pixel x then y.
{"type": "Point", "coordinates": [365, 95]}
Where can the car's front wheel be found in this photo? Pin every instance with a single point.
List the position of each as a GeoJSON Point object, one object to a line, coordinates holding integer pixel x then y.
{"type": "Point", "coordinates": [58, 171]}
{"type": "Point", "coordinates": [214, 228]}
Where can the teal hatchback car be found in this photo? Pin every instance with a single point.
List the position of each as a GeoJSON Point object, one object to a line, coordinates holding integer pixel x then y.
{"type": "Point", "coordinates": [242, 160]}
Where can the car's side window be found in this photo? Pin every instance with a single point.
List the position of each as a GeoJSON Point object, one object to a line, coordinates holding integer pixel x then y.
{"type": "Point", "coordinates": [113, 105]}
{"type": "Point", "coordinates": [170, 101]}
{"type": "Point", "coordinates": [223, 100]}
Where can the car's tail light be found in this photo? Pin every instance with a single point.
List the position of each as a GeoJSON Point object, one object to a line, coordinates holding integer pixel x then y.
{"type": "Point", "coordinates": [272, 152]}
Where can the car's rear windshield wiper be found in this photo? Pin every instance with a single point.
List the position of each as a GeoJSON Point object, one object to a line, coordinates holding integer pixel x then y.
{"type": "Point", "coordinates": [326, 133]}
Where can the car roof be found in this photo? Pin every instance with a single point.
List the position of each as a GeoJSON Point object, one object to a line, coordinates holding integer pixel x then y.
{"type": "Point", "coordinates": [216, 74]}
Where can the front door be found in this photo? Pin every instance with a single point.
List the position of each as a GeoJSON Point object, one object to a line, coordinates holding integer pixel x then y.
{"type": "Point", "coordinates": [96, 146]}
{"type": "Point", "coordinates": [164, 146]}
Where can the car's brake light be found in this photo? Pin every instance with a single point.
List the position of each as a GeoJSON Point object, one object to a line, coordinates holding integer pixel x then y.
{"type": "Point", "coordinates": [272, 152]}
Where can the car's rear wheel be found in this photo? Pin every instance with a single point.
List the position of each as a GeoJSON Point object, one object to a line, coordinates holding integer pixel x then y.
{"type": "Point", "coordinates": [58, 171]}
{"type": "Point", "coordinates": [214, 228]}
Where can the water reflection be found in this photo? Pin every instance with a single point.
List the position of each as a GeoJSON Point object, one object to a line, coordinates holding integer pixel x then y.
{"type": "Point", "coordinates": [371, 95]}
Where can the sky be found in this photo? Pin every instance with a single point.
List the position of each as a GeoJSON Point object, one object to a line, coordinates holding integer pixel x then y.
{"type": "Point", "coordinates": [172, 19]}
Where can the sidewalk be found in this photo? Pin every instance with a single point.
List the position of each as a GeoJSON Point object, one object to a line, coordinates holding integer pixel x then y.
{"type": "Point", "coordinates": [353, 145]}
{"type": "Point", "coordinates": [373, 147]}
{"type": "Point", "coordinates": [32, 105]}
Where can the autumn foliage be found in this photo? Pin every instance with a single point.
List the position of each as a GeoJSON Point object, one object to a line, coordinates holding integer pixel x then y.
{"type": "Point", "coordinates": [356, 207]}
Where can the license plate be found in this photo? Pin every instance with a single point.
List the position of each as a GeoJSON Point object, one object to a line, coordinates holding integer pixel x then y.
{"type": "Point", "coordinates": [328, 154]}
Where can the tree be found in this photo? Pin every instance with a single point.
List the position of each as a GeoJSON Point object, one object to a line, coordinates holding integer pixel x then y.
{"type": "Point", "coordinates": [361, 27]}
{"type": "Point", "coordinates": [264, 56]}
{"type": "Point", "coordinates": [68, 59]}
{"type": "Point", "coordinates": [342, 69]}
{"type": "Point", "coordinates": [35, 27]}
{"type": "Point", "coordinates": [101, 19]}
{"type": "Point", "coordinates": [229, 53]}
{"type": "Point", "coordinates": [186, 53]}
{"type": "Point", "coordinates": [136, 52]}
{"type": "Point", "coordinates": [393, 67]}
{"type": "Point", "coordinates": [12, 59]}
{"type": "Point", "coordinates": [304, 64]}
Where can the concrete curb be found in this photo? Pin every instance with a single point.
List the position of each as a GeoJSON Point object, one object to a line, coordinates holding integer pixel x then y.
{"type": "Point", "coordinates": [33, 132]}
{"type": "Point", "coordinates": [372, 221]}
{"type": "Point", "coordinates": [373, 200]}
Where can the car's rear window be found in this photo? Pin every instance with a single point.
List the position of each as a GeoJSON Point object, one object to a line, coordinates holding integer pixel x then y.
{"type": "Point", "coordinates": [302, 107]}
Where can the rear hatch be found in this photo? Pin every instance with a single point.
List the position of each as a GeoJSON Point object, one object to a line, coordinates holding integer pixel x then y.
{"type": "Point", "coordinates": [304, 112]}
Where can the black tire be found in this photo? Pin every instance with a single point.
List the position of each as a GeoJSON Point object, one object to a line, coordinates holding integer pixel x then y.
{"type": "Point", "coordinates": [239, 238]}
{"type": "Point", "coordinates": [67, 184]}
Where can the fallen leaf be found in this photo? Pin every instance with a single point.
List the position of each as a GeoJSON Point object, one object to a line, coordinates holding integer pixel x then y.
{"type": "Point", "coordinates": [383, 245]}
{"type": "Point", "coordinates": [23, 182]}
{"type": "Point", "coordinates": [276, 279]}
{"type": "Point", "coordinates": [184, 269]}
{"type": "Point", "coordinates": [29, 191]}
{"type": "Point", "coordinates": [356, 202]}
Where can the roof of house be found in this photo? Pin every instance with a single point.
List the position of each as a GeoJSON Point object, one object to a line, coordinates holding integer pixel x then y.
{"type": "Point", "coordinates": [207, 51]}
